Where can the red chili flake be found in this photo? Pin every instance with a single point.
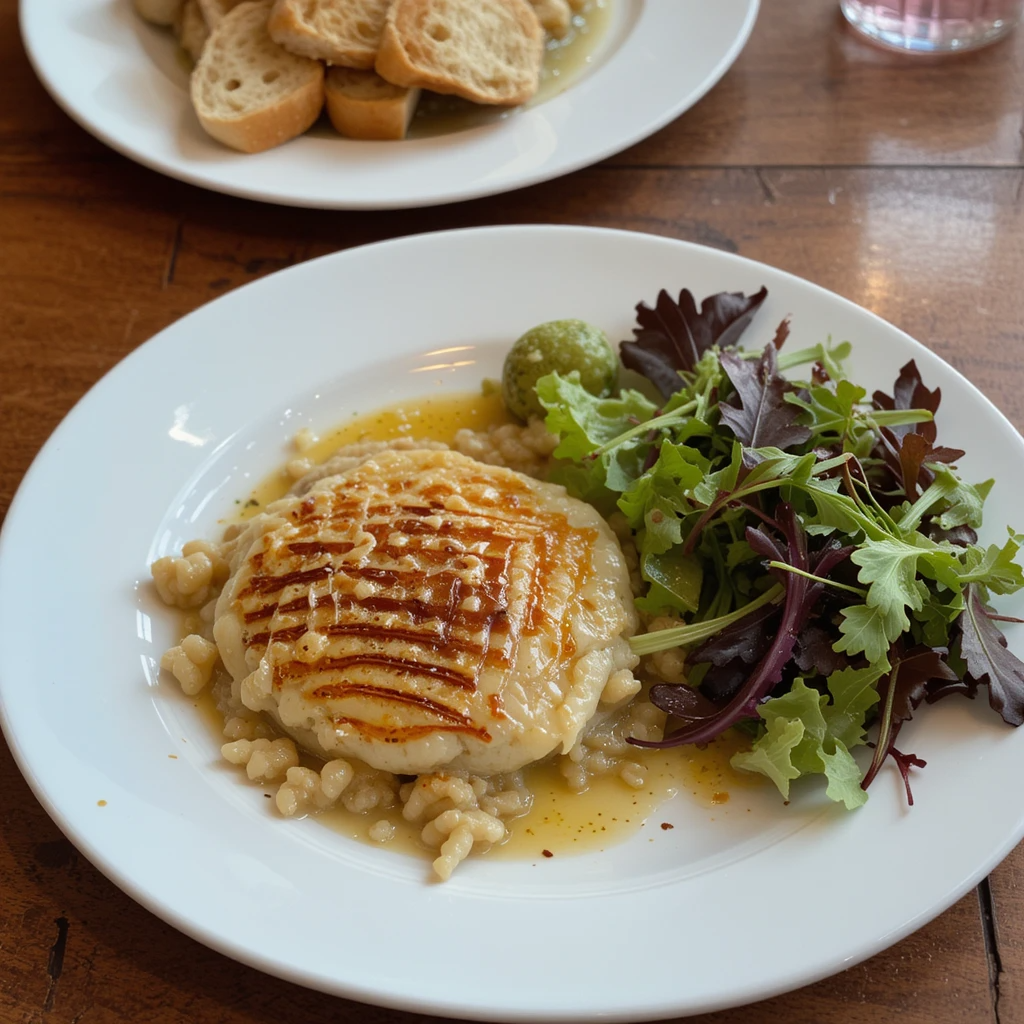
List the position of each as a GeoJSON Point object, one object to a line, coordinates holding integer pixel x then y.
{"type": "Point", "coordinates": [547, 853]}
{"type": "Point", "coordinates": [666, 825]}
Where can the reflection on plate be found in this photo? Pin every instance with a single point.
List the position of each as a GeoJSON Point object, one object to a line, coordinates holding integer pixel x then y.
{"type": "Point", "coordinates": [725, 906]}
{"type": "Point", "coordinates": [125, 82]}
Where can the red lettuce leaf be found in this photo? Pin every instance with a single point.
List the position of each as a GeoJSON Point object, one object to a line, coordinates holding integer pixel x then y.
{"type": "Point", "coordinates": [743, 640]}
{"type": "Point", "coordinates": [763, 418]}
{"type": "Point", "coordinates": [905, 455]}
{"type": "Point", "coordinates": [802, 594]}
{"type": "Point", "coordinates": [904, 762]}
{"type": "Point", "coordinates": [781, 334]}
{"type": "Point", "coordinates": [673, 335]}
{"type": "Point", "coordinates": [909, 392]}
{"type": "Point", "coordinates": [814, 655]}
{"type": "Point", "coordinates": [983, 648]}
{"type": "Point", "coordinates": [906, 447]}
{"type": "Point", "coordinates": [915, 674]}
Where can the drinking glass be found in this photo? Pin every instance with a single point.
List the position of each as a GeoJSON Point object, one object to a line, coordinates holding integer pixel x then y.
{"type": "Point", "coordinates": [933, 26]}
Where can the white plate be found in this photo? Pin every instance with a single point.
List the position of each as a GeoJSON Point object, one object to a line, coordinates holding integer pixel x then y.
{"type": "Point", "coordinates": [712, 913]}
{"type": "Point", "coordinates": [123, 80]}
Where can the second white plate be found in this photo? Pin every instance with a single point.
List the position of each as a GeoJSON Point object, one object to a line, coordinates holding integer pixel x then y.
{"type": "Point", "coordinates": [124, 82]}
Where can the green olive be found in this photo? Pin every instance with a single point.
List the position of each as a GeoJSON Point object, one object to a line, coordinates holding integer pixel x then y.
{"type": "Point", "coordinates": [562, 346]}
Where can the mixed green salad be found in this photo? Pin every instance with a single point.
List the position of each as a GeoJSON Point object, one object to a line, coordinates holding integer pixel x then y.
{"type": "Point", "coordinates": [815, 542]}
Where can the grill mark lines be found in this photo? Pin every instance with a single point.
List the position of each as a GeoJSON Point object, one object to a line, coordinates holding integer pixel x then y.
{"type": "Point", "coordinates": [434, 641]}
{"type": "Point", "coordinates": [338, 691]}
{"type": "Point", "coordinates": [320, 547]}
{"type": "Point", "coordinates": [259, 584]}
{"type": "Point", "coordinates": [401, 666]}
{"type": "Point", "coordinates": [417, 611]}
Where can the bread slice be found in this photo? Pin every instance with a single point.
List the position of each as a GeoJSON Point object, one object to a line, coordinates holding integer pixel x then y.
{"type": "Point", "coordinates": [345, 32]}
{"type": "Point", "coordinates": [247, 91]}
{"type": "Point", "coordinates": [158, 12]}
{"type": "Point", "coordinates": [555, 16]}
{"type": "Point", "coordinates": [190, 28]}
{"type": "Point", "coordinates": [214, 11]}
{"type": "Point", "coordinates": [488, 51]}
{"type": "Point", "coordinates": [362, 105]}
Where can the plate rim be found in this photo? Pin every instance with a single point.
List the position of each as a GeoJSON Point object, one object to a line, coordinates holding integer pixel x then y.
{"type": "Point", "coordinates": [191, 174]}
{"type": "Point", "coordinates": [351, 990]}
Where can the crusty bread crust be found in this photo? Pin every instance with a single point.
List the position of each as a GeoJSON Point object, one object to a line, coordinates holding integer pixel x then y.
{"type": "Point", "coordinates": [254, 123]}
{"type": "Point", "coordinates": [215, 10]}
{"type": "Point", "coordinates": [159, 12]}
{"type": "Point", "coordinates": [428, 43]}
{"type": "Point", "coordinates": [361, 105]}
{"type": "Point", "coordinates": [329, 30]}
{"type": "Point", "coordinates": [190, 28]}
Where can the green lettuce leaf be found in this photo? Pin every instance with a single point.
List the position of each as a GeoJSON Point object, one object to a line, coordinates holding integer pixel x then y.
{"type": "Point", "coordinates": [772, 754]}
{"type": "Point", "coordinates": [584, 423]}
{"type": "Point", "coordinates": [844, 777]}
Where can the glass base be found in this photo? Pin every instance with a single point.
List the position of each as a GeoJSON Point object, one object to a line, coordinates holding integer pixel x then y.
{"type": "Point", "coordinates": [883, 23]}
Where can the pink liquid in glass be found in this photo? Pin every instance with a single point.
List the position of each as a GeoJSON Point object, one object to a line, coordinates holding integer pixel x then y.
{"type": "Point", "coordinates": [933, 26]}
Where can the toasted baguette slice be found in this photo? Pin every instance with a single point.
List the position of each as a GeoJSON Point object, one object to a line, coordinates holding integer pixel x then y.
{"type": "Point", "coordinates": [158, 12]}
{"type": "Point", "coordinates": [344, 32]}
{"type": "Point", "coordinates": [555, 16]}
{"type": "Point", "coordinates": [190, 28]}
{"type": "Point", "coordinates": [488, 51]}
{"type": "Point", "coordinates": [247, 91]}
{"type": "Point", "coordinates": [214, 11]}
{"type": "Point", "coordinates": [362, 105]}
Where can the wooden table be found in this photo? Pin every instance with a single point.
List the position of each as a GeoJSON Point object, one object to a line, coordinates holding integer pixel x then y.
{"type": "Point", "coordinates": [897, 183]}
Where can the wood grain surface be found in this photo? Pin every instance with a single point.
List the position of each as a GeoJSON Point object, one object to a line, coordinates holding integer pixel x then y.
{"type": "Point", "coordinates": [896, 183]}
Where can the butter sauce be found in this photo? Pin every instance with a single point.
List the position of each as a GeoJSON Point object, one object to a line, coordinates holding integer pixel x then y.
{"type": "Point", "coordinates": [560, 821]}
{"type": "Point", "coordinates": [437, 417]}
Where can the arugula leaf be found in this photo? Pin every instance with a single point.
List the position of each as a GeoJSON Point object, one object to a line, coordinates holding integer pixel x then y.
{"type": "Point", "coordinates": [830, 410]}
{"type": "Point", "coordinates": [965, 502]}
{"type": "Point", "coordinates": [673, 335]}
{"type": "Point", "coordinates": [763, 417]}
{"type": "Point", "coordinates": [890, 566]}
{"type": "Point", "coordinates": [995, 568]}
{"type": "Point", "coordinates": [868, 631]}
{"type": "Point", "coordinates": [827, 358]}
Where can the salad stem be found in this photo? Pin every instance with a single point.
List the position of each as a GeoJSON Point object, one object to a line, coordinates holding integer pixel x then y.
{"type": "Point", "coordinates": [786, 567]}
{"type": "Point", "coordinates": [669, 419]}
{"type": "Point", "coordinates": [678, 636]}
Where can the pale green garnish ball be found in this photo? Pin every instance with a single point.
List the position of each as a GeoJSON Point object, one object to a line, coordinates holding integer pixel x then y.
{"type": "Point", "coordinates": [558, 346]}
